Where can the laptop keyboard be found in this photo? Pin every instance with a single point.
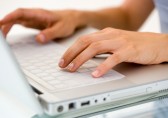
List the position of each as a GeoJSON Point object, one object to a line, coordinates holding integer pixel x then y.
{"type": "Point", "coordinates": [40, 64]}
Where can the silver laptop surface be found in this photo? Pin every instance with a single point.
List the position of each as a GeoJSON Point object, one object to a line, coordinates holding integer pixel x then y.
{"type": "Point", "coordinates": [61, 92]}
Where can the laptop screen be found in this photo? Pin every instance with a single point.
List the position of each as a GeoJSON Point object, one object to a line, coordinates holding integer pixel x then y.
{"type": "Point", "coordinates": [13, 81]}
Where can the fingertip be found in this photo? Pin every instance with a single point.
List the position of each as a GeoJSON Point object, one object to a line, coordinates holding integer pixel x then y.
{"type": "Point", "coordinates": [96, 73]}
{"type": "Point", "coordinates": [61, 63]}
{"type": "Point", "coordinates": [41, 38]}
{"type": "Point", "coordinates": [71, 67]}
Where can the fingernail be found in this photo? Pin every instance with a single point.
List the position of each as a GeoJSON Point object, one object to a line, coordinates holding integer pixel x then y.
{"type": "Point", "coordinates": [2, 28]}
{"type": "Point", "coordinates": [96, 73]}
{"type": "Point", "coordinates": [70, 66]}
{"type": "Point", "coordinates": [42, 38]}
{"type": "Point", "coordinates": [61, 62]}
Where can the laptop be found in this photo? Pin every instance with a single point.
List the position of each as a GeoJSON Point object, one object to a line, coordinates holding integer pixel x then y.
{"type": "Point", "coordinates": [25, 64]}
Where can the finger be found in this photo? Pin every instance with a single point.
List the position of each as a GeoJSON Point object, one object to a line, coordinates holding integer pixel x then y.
{"type": "Point", "coordinates": [6, 28]}
{"type": "Point", "coordinates": [19, 14]}
{"type": "Point", "coordinates": [109, 63]}
{"type": "Point", "coordinates": [28, 15]}
{"type": "Point", "coordinates": [74, 50]}
{"type": "Point", "coordinates": [92, 50]}
{"type": "Point", "coordinates": [13, 16]}
{"type": "Point", "coordinates": [81, 44]}
{"type": "Point", "coordinates": [56, 31]}
{"type": "Point", "coordinates": [84, 56]}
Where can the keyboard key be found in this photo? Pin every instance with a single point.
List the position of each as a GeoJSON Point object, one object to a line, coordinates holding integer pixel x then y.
{"type": "Point", "coordinates": [30, 67]}
{"type": "Point", "coordinates": [36, 71]}
{"type": "Point", "coordinates": [89, 64]}
{"type": "Point", "coordinates": [71, 82]}
{"type": "Point", "coordinates": [92, 69]}
{"type": "Point", "coordinates": [81, 70]}
{"type": "Point", "coordinates": [56, 74]}
{"type": "Point", "coordinates": [61, 86]}
{"type": "Point", "coordinates": [42, 74]}
{"type": "Point", "coordinates": [50, 61]}
{"type": "Point", "coordinates": [38, 80]}
{"type": "Point", "coordinates": [41, 66]}
{"type": "Point", "coordinates": [44, 68]}
{"type": "Point", "coordinates": [52, 71]}
{"type": "Point", "coordinates": [54, 82]}
{"type": "Point", "coordinates": [33, 61]}
{"type": "Point", "coordinates": [25, 64]}
{"type": "Point", "coordinates": [48, 78]}
{"type": "Point", "coordinates": [63, 78]}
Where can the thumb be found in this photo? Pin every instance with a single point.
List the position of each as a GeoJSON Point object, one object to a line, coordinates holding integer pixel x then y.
{"type": "Point", "coordinates": [109, 63]}
{"type": "Point", "coordinates": [49, 34]}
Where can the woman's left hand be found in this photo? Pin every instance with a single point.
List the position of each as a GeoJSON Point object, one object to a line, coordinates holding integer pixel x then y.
{"type": "Point", "coordinates": [124, 46]}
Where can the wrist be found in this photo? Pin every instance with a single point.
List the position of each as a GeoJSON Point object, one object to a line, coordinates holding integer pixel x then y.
{"type": "Point", "coordinates": [86, 18]}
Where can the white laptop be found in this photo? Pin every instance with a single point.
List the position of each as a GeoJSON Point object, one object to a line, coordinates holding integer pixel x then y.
{"type": "Point", "coordinates": [63, 94]}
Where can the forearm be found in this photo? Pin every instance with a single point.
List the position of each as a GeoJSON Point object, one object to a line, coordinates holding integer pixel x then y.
{"type": "Point", "coordinates": [129, 16]}
{"type": "Point", "coordinates": [114, 17]}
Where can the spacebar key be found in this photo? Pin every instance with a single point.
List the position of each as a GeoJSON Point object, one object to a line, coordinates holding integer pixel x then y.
{"type": "Point", "coordinates": [38, 80]}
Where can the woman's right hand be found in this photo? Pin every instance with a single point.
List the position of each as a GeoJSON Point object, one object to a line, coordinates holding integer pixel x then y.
{"type": "Point", "coordinates": [53, 24]}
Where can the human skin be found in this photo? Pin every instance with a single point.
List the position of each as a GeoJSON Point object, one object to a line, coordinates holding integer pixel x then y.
{"type": "Point", "coordinates": [52, 24]}
{"type": "Point", "coordinates": [62, 23]}
{"type": "Point", "coordinates": [125, 45]}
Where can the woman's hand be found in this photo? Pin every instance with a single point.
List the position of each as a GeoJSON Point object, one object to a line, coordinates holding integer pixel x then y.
{"type": "Point", "coordinates": [124, 46]}
{"type": "Point", "coordinates": [54, 24]}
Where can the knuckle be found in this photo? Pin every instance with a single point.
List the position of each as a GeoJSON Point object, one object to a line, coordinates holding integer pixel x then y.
{"type": "Point", "coordinates": [131, 46]}
{"type": "Point", "coordinates": [20, 12]}
{"type": "Point", "coordinates": [85, 40]}
{"type": "Point", "coordinates": [124, 39]}
{"type": "Point", "coordinates": [115, 32]}
{"type": "Point", "coordinates": [96, 45]}
{"type": "Point", "coordinates": [108, 29]}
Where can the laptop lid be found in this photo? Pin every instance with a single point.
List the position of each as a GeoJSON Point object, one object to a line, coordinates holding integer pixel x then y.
{"type": "Point", "coordinates": [12, 80]}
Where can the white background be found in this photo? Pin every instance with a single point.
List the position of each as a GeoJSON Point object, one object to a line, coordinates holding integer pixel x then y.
{"type": "Point", "coordinates": [6, 6]}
